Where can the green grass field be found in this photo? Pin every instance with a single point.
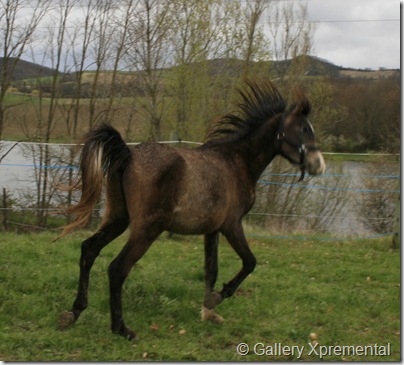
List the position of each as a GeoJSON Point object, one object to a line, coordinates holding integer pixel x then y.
{"type": "Point", "coordinates": [346, 292]}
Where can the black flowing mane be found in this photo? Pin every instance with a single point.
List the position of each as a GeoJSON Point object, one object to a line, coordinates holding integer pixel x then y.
{"type": "Point", "coordinates": [259, 103]}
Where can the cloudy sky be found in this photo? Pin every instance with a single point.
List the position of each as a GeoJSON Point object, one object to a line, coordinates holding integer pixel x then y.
{"type": "Point", "coordinates": [357, 33]}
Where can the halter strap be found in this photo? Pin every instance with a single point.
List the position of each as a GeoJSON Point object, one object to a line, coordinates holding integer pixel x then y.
{"type": "Point", "coordinates": [300, 146]}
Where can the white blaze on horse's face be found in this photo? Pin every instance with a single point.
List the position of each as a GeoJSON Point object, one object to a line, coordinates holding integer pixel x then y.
{"type": "Point", "coordinates": [315, 163]}
{"type": "Point", "coordinates": [299, 145]}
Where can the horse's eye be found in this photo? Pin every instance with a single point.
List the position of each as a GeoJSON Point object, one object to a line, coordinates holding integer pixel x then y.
{"type": "Point", "coordinates": [305, 129]}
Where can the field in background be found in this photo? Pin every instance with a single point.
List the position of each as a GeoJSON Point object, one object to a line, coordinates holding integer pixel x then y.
{"type": "Point", "coordinates": [347, 292]}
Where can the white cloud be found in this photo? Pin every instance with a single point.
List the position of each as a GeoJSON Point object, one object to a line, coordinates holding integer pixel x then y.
{"type": "Point", "coordinates": [354, 43]}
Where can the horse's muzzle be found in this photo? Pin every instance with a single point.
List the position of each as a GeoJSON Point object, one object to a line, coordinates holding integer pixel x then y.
{"type": "Point", "coordinates": [315, 163]}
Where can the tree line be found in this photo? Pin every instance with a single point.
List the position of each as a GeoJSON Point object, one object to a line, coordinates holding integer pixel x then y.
{"type": "Point", "coordinates": [154, 67]}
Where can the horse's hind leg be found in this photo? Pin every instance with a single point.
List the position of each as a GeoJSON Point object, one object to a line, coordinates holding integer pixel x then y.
{"type": "Point", "coordinates": [212, 299]}
{"type": "Point", "coordinates": [138, 244]}
{"type": "Point", "coordinates": [90, 249]}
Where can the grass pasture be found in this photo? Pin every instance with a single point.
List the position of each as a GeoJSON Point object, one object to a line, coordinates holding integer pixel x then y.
{"type": "Point", "coordinates": [346, 292]}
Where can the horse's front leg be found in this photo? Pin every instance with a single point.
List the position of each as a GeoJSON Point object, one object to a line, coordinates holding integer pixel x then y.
{"type": "Point", "coordinates": [212, 298]}
{"type": "Point", "coordinates": [238, 241]}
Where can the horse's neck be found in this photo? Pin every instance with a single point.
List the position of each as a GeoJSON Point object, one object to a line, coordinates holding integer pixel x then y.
{"type": "Point", "coordinates": [258, 152]}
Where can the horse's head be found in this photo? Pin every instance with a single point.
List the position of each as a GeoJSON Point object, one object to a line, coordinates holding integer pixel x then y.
{"type": "Point", "coordinates": [296, 139]}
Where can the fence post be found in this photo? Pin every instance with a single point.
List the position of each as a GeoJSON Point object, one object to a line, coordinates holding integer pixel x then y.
{"type": "Point", "coordinates": [5, 218]}
{"type": "Point", "coordinates": [395, 243]}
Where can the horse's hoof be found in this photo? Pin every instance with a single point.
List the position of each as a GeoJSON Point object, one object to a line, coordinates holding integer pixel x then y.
{"type": "Point", "coordinates": [126, 333]}
{"type": "Point", "coordinates": [210, 315]}
{"type": "Point", "coordinates": [66, 319]}
{"type": "Point", "coordinates": [130, 335]}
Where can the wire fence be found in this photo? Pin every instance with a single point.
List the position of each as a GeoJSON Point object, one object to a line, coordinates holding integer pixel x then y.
{"type": "Point", "coordinates": [274, 186]}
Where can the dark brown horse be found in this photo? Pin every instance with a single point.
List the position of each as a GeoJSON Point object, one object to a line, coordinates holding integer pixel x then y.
{"type": "Point", "coordinates": [208, 190]}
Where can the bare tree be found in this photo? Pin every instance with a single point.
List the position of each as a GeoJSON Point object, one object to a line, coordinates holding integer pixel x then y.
{"type": "Point", "coordinates": [192, 45]}
{"type": "Point", "coordinates": [254, 39]}
{"type": "Point", "coordinates": [47, 113]}
{"type": "Point", "coordinates": [291, 30]}
{"type": "Point", "coordinates": [148, 53]}
{"type": "Point", "coordinates": [18, 21]}
{"type": "Point", "coordinates": [81, 39]}
{"type": "Point", "coordinates": [118, 37]}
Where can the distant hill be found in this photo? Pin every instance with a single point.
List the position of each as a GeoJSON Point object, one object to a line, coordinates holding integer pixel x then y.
{"type": "Point", "coordinates": [28, 70]}
{"type": "Point", "coordinates": [315, 67]}
{"type": "Point", "coordinates": [232, 67]}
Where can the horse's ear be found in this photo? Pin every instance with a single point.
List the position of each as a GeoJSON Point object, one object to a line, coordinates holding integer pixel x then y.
{"type": "Point", "coordinates": [301, 106]}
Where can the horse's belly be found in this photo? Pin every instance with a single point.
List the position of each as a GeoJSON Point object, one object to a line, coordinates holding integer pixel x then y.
{"type": "Point", "coordinates": [202, 201]}
{"type": "Point", "coordinates": [193, 221]}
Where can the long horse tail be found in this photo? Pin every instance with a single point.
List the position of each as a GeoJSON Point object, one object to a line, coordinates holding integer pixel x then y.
{"type": "Point", "coordinates": [104, 153]}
